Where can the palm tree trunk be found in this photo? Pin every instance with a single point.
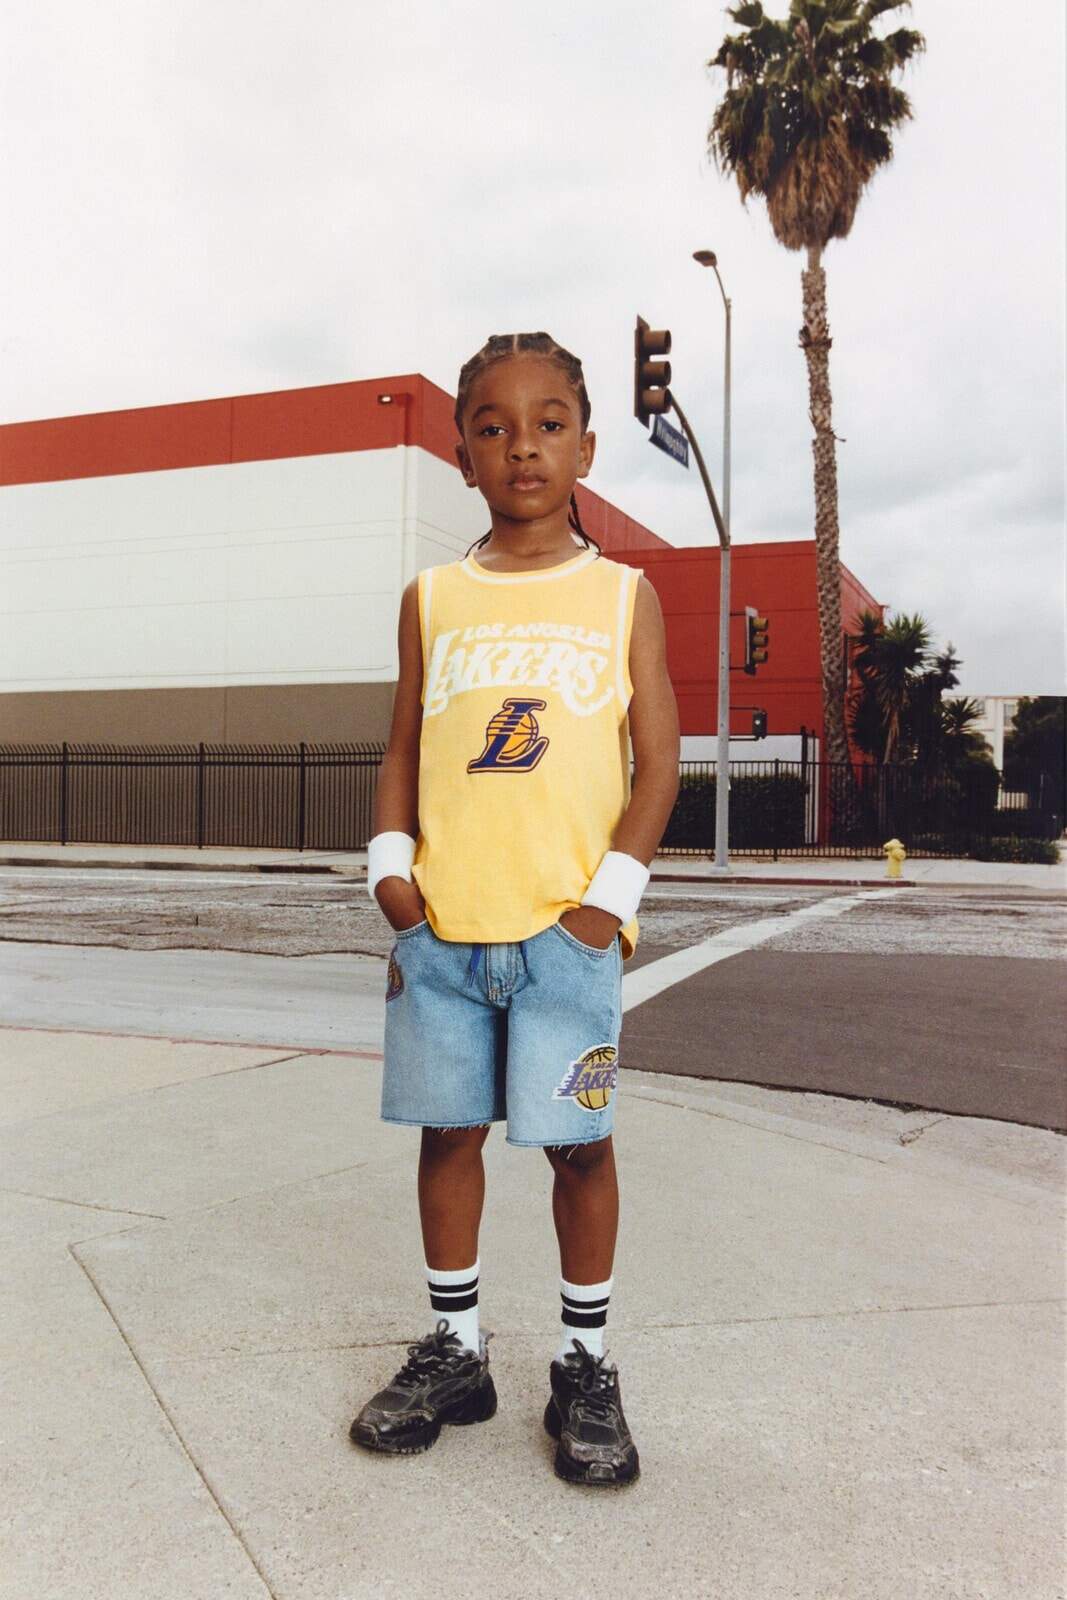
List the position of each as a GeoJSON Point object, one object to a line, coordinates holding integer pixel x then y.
{"type": "Point", "coordinates": [815, 341]}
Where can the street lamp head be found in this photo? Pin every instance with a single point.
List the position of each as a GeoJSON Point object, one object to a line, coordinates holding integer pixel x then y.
{"type": "Point", "coordinates": [707, 258]}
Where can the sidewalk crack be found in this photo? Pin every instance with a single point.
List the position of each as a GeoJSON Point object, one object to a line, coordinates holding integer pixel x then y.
{"type": "Point", "coordinates": [911, 1134]}
{"type": "Point", "coordinates": [85, 1205]}
{"type": "Point", "coordinates": [171, 1421]}
{"type": "Point", "coordinates": [834, 1316]}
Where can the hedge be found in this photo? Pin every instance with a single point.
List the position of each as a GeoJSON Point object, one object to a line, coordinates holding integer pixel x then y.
{"type": "Point", "coordinates": [1014, 847]}
{"type": "Point", "coordinates": [765, 812]}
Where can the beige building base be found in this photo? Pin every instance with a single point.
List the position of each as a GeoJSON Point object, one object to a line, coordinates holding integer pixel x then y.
{"type": "Point", "coordinates": [317, 713]}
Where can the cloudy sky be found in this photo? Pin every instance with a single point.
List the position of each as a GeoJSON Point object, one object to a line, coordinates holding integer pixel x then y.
{"type": "Point", "coordinates": [211, 199]}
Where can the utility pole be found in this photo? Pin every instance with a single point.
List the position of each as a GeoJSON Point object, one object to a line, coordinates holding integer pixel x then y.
{"type": "Point", "coordinates": [654, 397]}
{"type": "Point", "coordinates": [707, 258]}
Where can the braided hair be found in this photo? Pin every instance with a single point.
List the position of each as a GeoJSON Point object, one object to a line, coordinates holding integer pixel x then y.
{"type": "Point", "coordinates": [498, 347]}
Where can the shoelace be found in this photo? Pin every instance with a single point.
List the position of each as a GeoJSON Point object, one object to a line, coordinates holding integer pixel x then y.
{"type": "Point", "coordinates": [596, 1381]}
{"type": "Point", "coordinates": [434, 1351]}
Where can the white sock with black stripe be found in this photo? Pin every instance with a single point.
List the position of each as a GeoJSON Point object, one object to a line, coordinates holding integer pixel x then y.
{"type": "Point", "coordinates": [585, 1313]}
{"type": "Point", "coordinates": [454, 1297]}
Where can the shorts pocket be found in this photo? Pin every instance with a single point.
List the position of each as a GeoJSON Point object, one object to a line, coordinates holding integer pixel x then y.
{"type": "Point", "coordinates": [593, 950]}
{"type": "Point", "coordinates": [408, 933]}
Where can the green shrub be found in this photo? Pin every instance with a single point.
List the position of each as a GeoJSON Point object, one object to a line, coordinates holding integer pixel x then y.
{"type": "Point", "coordinates": [938, 844]}
{"type": "Point", "coordinates": [1029, 822]}
{"type": "Point", "coordinates": [764, 811]}
{"type": "Point", "coordinates": [1013, 847]}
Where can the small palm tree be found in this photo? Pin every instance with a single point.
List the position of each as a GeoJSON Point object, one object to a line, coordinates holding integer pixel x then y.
{"type": "Point", "coordinates": [805, 122]}
{"type": "Point", "coordinates": [960, 737]}
{"type": "Point", "coordinates": [866, 723]}
{"type": "Point", "coordinates": [926, 731]}
{"type": "Point", "coordinates": [889, 661]}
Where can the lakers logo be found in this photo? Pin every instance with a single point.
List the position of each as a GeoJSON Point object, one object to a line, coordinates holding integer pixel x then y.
{"type": "Point", "coordinates": [591, 1078]}
{"type": "Point", "coordinates": [513, 741]}
{"type": "Point", "coordinates": [395, 982]}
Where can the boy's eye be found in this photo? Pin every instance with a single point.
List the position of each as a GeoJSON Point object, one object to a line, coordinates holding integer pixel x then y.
{"type": "Point", "coordinates": [553, 425]}
{"type": "Point", "coordinates": [490, 430]}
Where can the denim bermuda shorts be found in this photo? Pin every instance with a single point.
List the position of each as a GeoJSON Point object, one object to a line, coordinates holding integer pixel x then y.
{"type": "Point", "coordinates": [527, 1033]}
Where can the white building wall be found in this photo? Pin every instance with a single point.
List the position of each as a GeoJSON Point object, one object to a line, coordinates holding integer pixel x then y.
{"type": "Point", "coordinates": [997, 715]}
{"type": "Point", "coordinates": [450, 515]}
{"type": "Point", "coordinates": [284, 571]}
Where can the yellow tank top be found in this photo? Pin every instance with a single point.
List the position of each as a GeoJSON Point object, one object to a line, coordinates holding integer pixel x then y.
{"type": "Point", "coordinates": [524, 764]}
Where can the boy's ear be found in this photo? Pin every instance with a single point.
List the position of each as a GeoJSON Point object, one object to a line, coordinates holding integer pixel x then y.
{"type": "Point", "coordinates": [465, 465]}
{"type": "Point", "coordinates": [586, 452]}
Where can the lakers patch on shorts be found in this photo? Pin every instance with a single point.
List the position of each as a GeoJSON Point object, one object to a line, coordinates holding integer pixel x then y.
{"type": "Point", "coordinates": [590, 1080]}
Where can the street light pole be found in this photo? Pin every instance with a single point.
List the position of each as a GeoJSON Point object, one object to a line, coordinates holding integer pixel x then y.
{"type": "Point", "coordinates": [707, 258]}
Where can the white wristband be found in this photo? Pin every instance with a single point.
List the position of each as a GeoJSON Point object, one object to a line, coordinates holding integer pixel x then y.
{"type": "Point", "coordinates": [617, 886]}
{"type": "Point", "coordinates": [389, 855]}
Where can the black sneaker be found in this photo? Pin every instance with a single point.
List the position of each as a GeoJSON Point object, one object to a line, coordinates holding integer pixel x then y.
{"type": "Point", "coordinates": [440, 1381]}
{"type": "Point", "coordinates": [585, 1415]}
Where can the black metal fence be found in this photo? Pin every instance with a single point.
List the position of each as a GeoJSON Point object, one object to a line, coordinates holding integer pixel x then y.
{"type": "Point", "coordinates": [295, 797]}
{"type": "Point", "coordinates": [321, 797]}
{"type": "Point", "coordinates": [794, 808]}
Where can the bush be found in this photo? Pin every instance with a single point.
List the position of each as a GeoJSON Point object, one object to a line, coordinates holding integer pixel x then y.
{"type": "Point", "coordinates": [765, 811]}
{"type": "Point", "coordinates": [938, 844]}
{"type": "Point", "coordinates": [1027, 821]}
{"type": "Point", "coordinates": [1013, 847]}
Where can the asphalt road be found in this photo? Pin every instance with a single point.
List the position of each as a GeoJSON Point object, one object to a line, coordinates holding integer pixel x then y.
{"type": "Point", "coordinates": [953, 1001]}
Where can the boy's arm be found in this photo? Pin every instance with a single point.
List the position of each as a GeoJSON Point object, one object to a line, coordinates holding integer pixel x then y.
{"type": "Point", "coordinates": [653, 715]}
{"type": "Point", "coordinates": [396, 804]}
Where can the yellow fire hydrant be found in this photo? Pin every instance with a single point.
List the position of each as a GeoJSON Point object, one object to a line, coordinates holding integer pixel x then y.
{"type": "Point", "coordinates": [895, 854]}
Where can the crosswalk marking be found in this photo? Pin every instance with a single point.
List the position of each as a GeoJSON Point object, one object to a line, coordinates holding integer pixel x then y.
{"type": "Point", "coordinates": [648, 981]}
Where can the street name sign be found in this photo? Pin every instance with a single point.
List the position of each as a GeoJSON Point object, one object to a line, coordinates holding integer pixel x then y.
{"type": "Point", "coordinates": [671, 439]}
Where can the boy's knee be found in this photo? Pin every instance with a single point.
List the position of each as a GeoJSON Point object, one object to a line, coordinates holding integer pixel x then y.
{"type": "Point", "coordinates": [580, 1160]}
{"type": "Point", "coordinates": [444, 1144]}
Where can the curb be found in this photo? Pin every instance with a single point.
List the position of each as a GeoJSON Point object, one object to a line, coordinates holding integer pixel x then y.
{"type": "Point", "coordinates": [177, 866]}
{"type": "Point", "coordinates": [818, 883]}
{"type": "Point", "coordinates": [358, 873]}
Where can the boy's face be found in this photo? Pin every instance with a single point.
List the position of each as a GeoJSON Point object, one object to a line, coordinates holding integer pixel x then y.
{"type": "Point", "coordinates": [523, 444]}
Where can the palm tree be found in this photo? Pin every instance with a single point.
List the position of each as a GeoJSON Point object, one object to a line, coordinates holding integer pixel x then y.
{"type": "Point", "coordinates": [865, 719]}
{"type": "Point", "coordinates": [805, 122]}
{"type": "Point", "coordinates": [926, 725]}
{"type": "Point", "coordinates": [889, 662]}
{"type": "Point", "coordinates": [960, 738]}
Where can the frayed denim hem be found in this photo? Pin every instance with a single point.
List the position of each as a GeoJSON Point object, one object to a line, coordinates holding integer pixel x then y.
{"type": "Point", "coordinates": [440, 1127]}
{"type": "Point", "coordinates": [557, 1144]}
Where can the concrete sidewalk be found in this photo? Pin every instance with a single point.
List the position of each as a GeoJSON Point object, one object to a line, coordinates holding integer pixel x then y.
{"type": "Point", "coordinates": [845, 870]}
{"type": "Point", "coordinates": [838, 1327]}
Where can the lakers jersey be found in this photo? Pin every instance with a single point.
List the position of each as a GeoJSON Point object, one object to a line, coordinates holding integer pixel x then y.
{"type": "Point", "coordinates": [524, 767]}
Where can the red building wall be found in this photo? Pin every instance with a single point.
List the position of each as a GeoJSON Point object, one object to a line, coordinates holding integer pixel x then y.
{"type": "Point", "coordinates": [779, 581]}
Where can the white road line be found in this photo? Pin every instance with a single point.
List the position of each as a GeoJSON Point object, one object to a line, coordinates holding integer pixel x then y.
{"type": "Point", "coordinates": [646, 982]}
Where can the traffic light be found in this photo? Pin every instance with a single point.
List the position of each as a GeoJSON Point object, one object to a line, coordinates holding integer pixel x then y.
{"type": "Point", "coordinates": [757, 639]}
{"type": "Point", "coordinates": [759, 724]}
{"type": "Point", "coordinates": [651, 395]}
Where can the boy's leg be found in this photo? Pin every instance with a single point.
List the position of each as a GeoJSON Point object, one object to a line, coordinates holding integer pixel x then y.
{"type": "Point", "coordinates": [585, 1208]}
{"type": "Point", "coordinates": [446, 1378]}
{"type": "Point", "coordinates": [451, 1193]}
{"type": "Point", "coordinates": [585, 1410]}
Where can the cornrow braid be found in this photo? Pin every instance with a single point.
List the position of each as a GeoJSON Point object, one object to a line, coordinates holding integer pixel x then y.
{"type": "Point", "coordinates": [501, 345]}
{"type": "Point", "coordinates": [498, 347]}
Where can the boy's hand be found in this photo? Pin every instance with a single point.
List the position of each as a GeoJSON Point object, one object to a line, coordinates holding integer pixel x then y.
{"type": "Point", "coordinates": [401, 903]}
{"type": "Point", "coordinates": [590, 925]}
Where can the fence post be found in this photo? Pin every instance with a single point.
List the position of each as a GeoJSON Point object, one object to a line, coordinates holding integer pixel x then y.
{"type": "Point", "coordinates": [774, 807]}
{"type": "Point", "coordinates": [200, 780]}
{"type": "Point", "coordinates": [302, 799]}
{"type": "Point", "coordinates": [64, 769]}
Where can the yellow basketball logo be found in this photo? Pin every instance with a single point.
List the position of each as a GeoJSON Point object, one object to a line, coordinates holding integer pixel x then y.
{"type": "Point", "coordinates": [591, 1079]}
